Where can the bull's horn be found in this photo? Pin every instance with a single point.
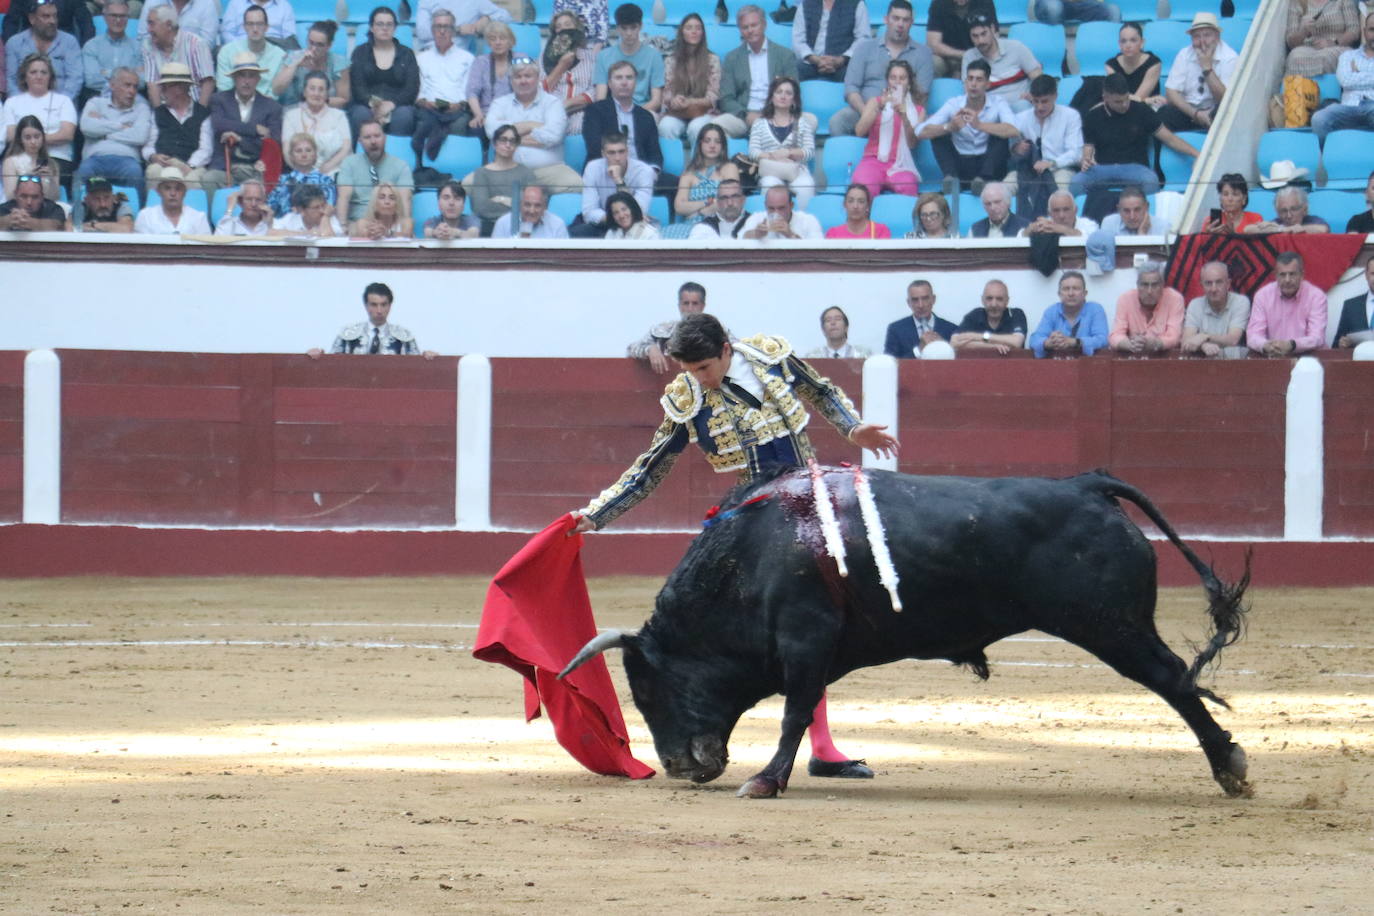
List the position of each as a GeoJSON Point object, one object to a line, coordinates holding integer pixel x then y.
{"type": "Point", "coordinates": [611, 639]}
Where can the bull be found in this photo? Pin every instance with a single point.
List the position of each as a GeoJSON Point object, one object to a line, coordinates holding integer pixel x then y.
{"type": "Point", "coordinates": [758, 605]}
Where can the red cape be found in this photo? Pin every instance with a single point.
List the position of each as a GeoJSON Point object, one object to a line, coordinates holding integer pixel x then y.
{"type": "Point", "coordinates": [536, 617]}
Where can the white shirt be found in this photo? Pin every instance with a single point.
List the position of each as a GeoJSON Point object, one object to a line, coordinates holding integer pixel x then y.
{"type": "Point", "coordinates": [199, 17]}
{"type": "Point", "coordinates": [597, 186]}
{"type": "Point", "coordinates": [281, 20]}
{"type": "Point", "coordinates": [970, 141]}
{"type": "Point", "coordinates": [1081, 223]}
{"type": "Point", "coordinates": [742, 374]}
{"type": "Point", "coordinates": [231, 224]}
{"type": "Point", "coordinates": [1186, 74]}
{"type": "Point", "coordinates": [1060, 135]}
{"type": "Point", "coordinates": [153, 221]}
{"type": "Point", "coordinates": [704, 230]}
{"type": "Point", "coordinates": [550, 227]}
{"type": "Point", "coordinates": [547, 110]}
{"type": "Point", "coordinates": [294, 222]}
{"type": "Point", "coordinates": [52, 110]}
{"type": "Point", "coordinates": [848, 351]}
{"type": "Point", "coordinates": [803, 224]}
{"type": "Point", "coordinates": [758, 77]}
{"type": "Point", "coordinates": [444, 76]}
{"type": "Point", "coordinates": [804, 50]}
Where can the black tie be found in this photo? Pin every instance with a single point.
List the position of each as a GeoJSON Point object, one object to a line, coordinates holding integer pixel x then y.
{"type": "Point", "coordinates": [376, 346]}
{"type": "Point", "coordinates": [740, 392]}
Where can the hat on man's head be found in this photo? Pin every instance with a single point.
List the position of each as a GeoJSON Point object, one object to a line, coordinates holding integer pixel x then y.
{"type": "Point", "coordinates": [168, 173]}
{"type": "Point", "coordinates": [1204, 21]}
{"type": "Point", "coordinates": [174, 73]}
{"type": "Point", "coordinates": [98, 183]}
{"type": "Point", "coordinates": [1281, 173]}
{"type": "Point", "coordinates": [245, 61]}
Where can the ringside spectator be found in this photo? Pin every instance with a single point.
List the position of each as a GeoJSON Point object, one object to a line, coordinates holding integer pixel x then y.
{"type": "Point", "coordinates": [947, 31]}
{"type": "Point", "coordinates": [1233, 193]}
{"type": "Point", "coordinates": [1216, 319]}
{"type": "Point", "coordinates": [729, 218]}
{"type": "Point", "coordinates": [116, 128]}
{"type": "Point", "coordinates": [377, 335]}
{"type": "Point", "coordinates": [60, 49]}
{"type": "Point", "coordinates": [1063, 219]}
{"type": "Point", "coordinates": [29, 210]}
{"type": "Point", "coordinates": [33, 96]}
{"type": "Point", "coordinates": [1288, 315]}
{"type": "Point", "coordinates": [1290, 206]}
{"type": "Point", "coordinates": [1357, 312]}
{"type": "Point", "coordinates": [691, 83]}
{"type": "Point", "coordinates": [835, 327]}
{"type": "Point", "coordinates": [289, 82]}
{"type": "Point", "coordinates": [180, 137]}
{"type": "Point", "coordinates": [1012, 65]}
{"type": "Point", "coordinates": [269, 57]}
{"type": "Point", "coordinates": [104, 54]}
{"type": "Point", "coordinates": [441, 108]}
{"type": "Point", "coordinates": [889, 121]}
{"type": "Point", "coordinates": [1149, 318]}
{"type": "Point", "coordinates": [907, 337]}
{"type": "Point", "coordinates": [994, 326]}
{"type": "Point", "coordinates": [254, 216]}
{"type": "Point", "coordinates": [858, 223]}
{"type": "Point", "coordinates": [782, 142]}
{"type": "Point", "coordinates": [1049, 150]}
{"type": "Point", "coordinates": [102, 210]}
{"type": "Point", "coordinates": [1199, 77]}
{"type": "Point", "coordinates": [1072, 326]}
{"type": "Point", "coordinates": [450, 222]}
{"type": "Point", "coordinates": [1117, 142]}
{"type": "Point", "coordinates": [384, 78]}
{"type": "Point", "coordinates": [242, 118]}
{"type": "Point", "coordinates": [1000, 222]}
{"type": "Point", "coordinates": [311, 215]}
{"type": "Point", "coordinates": [653, 346]}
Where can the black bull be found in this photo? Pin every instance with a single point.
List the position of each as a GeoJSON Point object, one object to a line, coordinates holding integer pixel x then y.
{"type": "Point", "coordinates": [757, 606]}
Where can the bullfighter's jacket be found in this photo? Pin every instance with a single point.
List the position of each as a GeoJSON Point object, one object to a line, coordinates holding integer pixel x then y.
{"type": "Point", "coordinates": [391, 338]}
{"type": "Point", "coordinates": [733, 434]}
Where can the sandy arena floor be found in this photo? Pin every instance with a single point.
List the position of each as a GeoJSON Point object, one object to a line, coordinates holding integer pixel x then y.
{"type": "Point", "coordinates": [304, 746]}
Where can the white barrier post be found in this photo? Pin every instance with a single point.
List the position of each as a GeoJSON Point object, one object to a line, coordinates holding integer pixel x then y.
{"type": "Point", "coordinates": [880, 404]}
{"type": "Point", "coordinates": [473, 490]}
{"type": "Point", "coordinates": [1364, 352]}
{"type": "Point", "coordinates": [42, 438]}
{"type": "Point", "coordinates": [1303, 487]}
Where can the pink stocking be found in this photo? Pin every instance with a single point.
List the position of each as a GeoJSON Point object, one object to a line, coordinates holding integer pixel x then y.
{"type": "Point", "coordinates": [822, 746]}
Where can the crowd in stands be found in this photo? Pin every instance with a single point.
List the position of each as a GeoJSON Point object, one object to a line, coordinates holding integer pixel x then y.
{"type": "Point", "coordinates": [609, 131]}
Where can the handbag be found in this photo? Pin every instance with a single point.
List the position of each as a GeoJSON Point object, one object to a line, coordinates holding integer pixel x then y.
{"type": "Point", "coordinates": [748, 172]}
{"type": "Point", "coordinates": [777, 168]}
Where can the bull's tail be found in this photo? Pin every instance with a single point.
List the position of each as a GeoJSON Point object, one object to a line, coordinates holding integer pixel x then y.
{"type": "Point", "coordinates": [1226, 604]}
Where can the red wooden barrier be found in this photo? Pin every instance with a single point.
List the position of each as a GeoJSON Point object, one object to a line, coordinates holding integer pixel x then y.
{"type": "Point", "coordinates": [11, 436]}
{"type": "Point", "coordinates": [1349, 451]}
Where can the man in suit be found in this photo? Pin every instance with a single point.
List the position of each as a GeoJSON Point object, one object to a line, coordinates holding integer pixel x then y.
{"type": "Point", "coordinates": [242, 118]}
{"type": "Point", "coordinates": [1357, 314]}
{"type": "Point", "coordinates": [741, 96]}
{"type": "Point", "coordinates": [1000, 222]}
{"type": "Point", "coordinates": [618, 114]}
{"type": "Point", "coordinates": [906, 337]}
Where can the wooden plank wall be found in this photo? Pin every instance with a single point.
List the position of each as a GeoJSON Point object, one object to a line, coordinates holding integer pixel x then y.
{"type": "Point", "coordinates": [1349, 451]}
{"type": "Point", "coordinates": [11, 436]}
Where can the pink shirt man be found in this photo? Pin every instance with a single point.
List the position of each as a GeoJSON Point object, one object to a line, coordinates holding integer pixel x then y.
{"type": "Point", "coordinates": [1166, 323]}
{"type": "Point", "coordinates": [1275, 317]}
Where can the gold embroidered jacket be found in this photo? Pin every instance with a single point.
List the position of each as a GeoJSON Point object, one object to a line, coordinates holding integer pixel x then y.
{"type": "Point", "coordinates": [734, 435]}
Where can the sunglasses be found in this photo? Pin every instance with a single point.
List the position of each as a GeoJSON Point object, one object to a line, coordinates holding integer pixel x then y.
{"type": "Point", "coordinates": [36, 179]}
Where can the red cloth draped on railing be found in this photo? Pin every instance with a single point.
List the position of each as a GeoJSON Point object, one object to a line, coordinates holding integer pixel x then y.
{"type": "Point", "coordinates": [1251, 259]}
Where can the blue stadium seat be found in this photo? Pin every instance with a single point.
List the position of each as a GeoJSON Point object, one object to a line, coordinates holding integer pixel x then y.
{"type": "Point", "coordinates": [659, 210]}
{"type": "Point", "coordinates": [736, 146]}
{"type": "Point", "coordinates": [970, 211]}
{"type": "Point", "coordinates": [822, 98]}
{"type": "Point", "coordinates": [1246, 8]}
{"type": "Point", "coordinates": [828, 208]}
{"type": "Point", "coordinates": [424, 206]}
{"type": "Point", "coordinates": [1094, 44]}
{"type": "Point", "coordinates": [1184, 10]}
{"type": "Point", "coordinates": [340, 45]}
{"type": "Point", "coordinates": [1336, 207]}
{"type": "Point", "coordinates": [839, 156]}
{"type": "Point", "coordinates": [1068, 88]}
{"type": "Point", "coordinates": [1299, 146]}
{"type": "Point", "coordinates": [894, 211]}
{"type": "Point", "coordinates": [218, 203]}
{"type": "Point", "coordinates": [1010, 11]}
{"type": "Point", "coordinates": [1166, 37]}
{"type": "Point", "coordinates": [778, 33]}
{"type": "Point", "coordinates": [131, 29]}
{"type": "Point", "coordinates": [527, 38]}
{"type": "Point", "coordinates": [1235, 32]}
{"type": "Point", "coordinates": [754, 203]}
{"type": "Point", "coordinates": [941, 91]}
{"type": "Point", "coordinates": [308, 11]}
{"type": "Point", "coordinates": [722, 37]}
{"type": "Point", "coordinates": [458, 156]}
{"type": "Point", "coordinates": [1329, 86]}
{"type": "Point", "coordinates": [926, 165]}
{"type": "Point", "coordinates": [1261, 201]}
{"type": "Point", "coordinates": [195, 199]}
{"type": "Point", "coordinates": [1346, 159]}
{"type": "Point", "coordinates": [405, 34]}
{"type": "Point", "coordinates": [920, 11]}
{"type": "Point", "coordinates": [543, 11]}
{"type": "Point", "coordinates": [674, 157]}
{"type": "Point", "coordinates": [1046, 42]}
{"type": "Point", "coordinates": [1178, 168]}
{"type": "Point", "coordinates": [396, 146]}
{"type": "Point", "coordinates": [1138, 10]}
{"type": "Point", "coordinates": [575, 152]}
{"type": "Point", "coordinates": [674, 10]}
{"type": "Point", "coordinates": [567, 206]}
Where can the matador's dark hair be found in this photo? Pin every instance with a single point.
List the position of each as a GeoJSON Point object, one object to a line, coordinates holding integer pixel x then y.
{"type": "Point", "coordinates": [697, 337]}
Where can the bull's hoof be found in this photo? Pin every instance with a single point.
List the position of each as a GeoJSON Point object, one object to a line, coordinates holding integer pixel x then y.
{"type": "Point", "coordinates": [1232, 779]}
{"type": "Point", "coordinates": [761, 786]}
{"type": "Point", "coordinates": [841, 769]}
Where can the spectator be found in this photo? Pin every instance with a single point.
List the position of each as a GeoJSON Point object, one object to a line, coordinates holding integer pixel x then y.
{"type": "Point", "coordinates": [994, 326]}
{"type": "Point", "coordinates": [494, 186]}
{"type": "Point", "coordinates": [568, 67]}
{"type": "Point", "coordinates": [1000, 222]}
{"type": "Point", "coordinates": [1117, 148]}
{"type": "Point", "coordinates": [1289, 315]}
{"type": "Point", "coordinates": [858, 222]}
{"type": "Point", "coordinates": [625, 219]}
{"type": "Point", "coordinates": [1216, 319]}
{"type": "Point", "coordinates": [29, 211]}
{"type": "Point", "coordinates": [907, 337]}
{"type": "Point", "coordinates": [1290, 204]}
{"type": "Point", "coordinates": [43, 39]}
{"type": "Point", "coordinates": [779, 220]}
{"type": "Point", "coordinates": [1355, 73]}
{"type": "Point", "coordinates": [536, 222]}
{"type": "Point", "coordinates": [969, 133]}
{"type": "Point", "coordinates": [1357, 312]}
{"type": "Point", "coordinates": [170, 215]}
{"type": "Point", "coordinates": [1363, 223]}
{"type": "Point", "coordinates": [1012, 64]}
{"type": "Point", "coordinates": [1149, 318]}
{"type": "Point", "coordinates": [242, 118]}
{"type": "Point", "coordinates": [932, 218]}
{"type": "Point", "coordinates": [387, 216]}
{"type": "Point", "coordinates": [384, 78]}
{"type": "Point", "coordinates": [835, 327]}
{"type": "Point", "coordinates": [743, 90]}
{"type": "Point", "coordinates": [364, 171]}
{"type": "Point", "coordinates": [782, 142]}
{"type": "Point", "coordinates": [1233, 193]}
{"type": "Point", "coordinates": [1073, 325]}
{"type": "Point", "coordinates": [629, 21]}
{"type": "Point", "coordinates": [281, 22]}
{"type": "Point", "coordinates": [614, 172]}
{"type": "Point", "coordinates": [199, 17]}
{"type": "Point", "coordinates": [102, 210]}
{"type": "Point", "coordinates": [289, 82]}
{"type": "Point", "coordinates": [166, 44]}
{"type": "Point", "coordinates": [866, 76]}
{"type": "Point", "coordinates": [1199, 77]}
{"type": "Point", "coordinates": [53, 110]}
{"type": "Point", "coordinates": [697, 188]}
{"type": "Point", "coordinates": [470, 19]}
{"type": "Point", "coordinates": [442, 107]}
{"type": "Point", "coordinates": [1141, 68]}
{"type": "Point", "coordinates": [377, 335]}
{"type": "Point", "coordinates": [254, 216]}
{"type": "Point", "coordinates": [1132, 217]}
{"type": "Point", "coordinates": [116, 127]}
{"type": "Point", "coordinates": [653, 346]}
{"type": "Point", "coordinates": [327, 127]}
{"type": "Point", "coordinates": [541, 123]}
{"type": "Point", "coordinates": [73, 17]}
{"type": "Point", "coordinates": [947, 31]}
{"type": "Point", "coordinates": [489, 77]}
{"type": "Point", "coordinates": [104, 54]}
{"type": "Point", "coordinates": [889, 120]}
{"type": "Point", "coordinates": [825, 34]}
{"type": "Point", "coordinates": [1318, 33]}
{"type": "Point", "coordinates": [27, 156]}
{"type": "Point", "coordinates": [180, 135]}
{"type": "Point", "coordinates": [729, 219]}
{"type": "Point", "coordinates": [254, 42]}
{"type": "Point", "coordinates": [618, 113]}
{"type": "Point", "coordinates": [691, 83]}
{"type": "Point", "coordinates": [1063, 219]}
{"type": "Point", "coordinates": [1049, 151]}
{"type": "Point", "coordinates": [451, 223]}
{"type": "Point", "coordinates": [1054, 12]}
{"type": "Point", "coordinates": [311, 216]}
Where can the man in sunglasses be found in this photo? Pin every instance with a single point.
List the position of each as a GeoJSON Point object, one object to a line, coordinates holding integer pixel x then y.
{"type": "Point", "coordinates": [30, 211]}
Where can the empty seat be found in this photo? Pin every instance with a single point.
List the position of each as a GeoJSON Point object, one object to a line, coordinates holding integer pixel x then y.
{"type": "Point", "coordinates": [941, 91]}
{"type": "Point", "coordinates": [839, 156]}
{"type": "Point", "coordinates": [458, 156]}
{"type": "Point", "coordinates": [1046, 42]}
{"type": "Point", "coordinates": [829, 209]}
{"type": "Point", "coordinates": [674, 157]}
{"type": "Point", "coordinates": [1297, 146]}
{"type": "Point", "coordinates": [567, 206]}
{"type": "Point", "coordinates": [1346, 158]}
{"type": "Point", "coordinates": [1336, 207]}
{"type": "Point", "coordinates": [1166, 38]}
{"type": "Point", "coordinates": [822, 98]}
{"type": "Point", "coordinates": [1010, 11]}
{"type": "Point", "coordinates": [423, 207]}
{"type": "Point", "coordinates": [894, 211]}
{"type": "Point", "coordinates": [970, 211]}
{"type": "Point", "coordinates": [527, 38]}
{"type": "Point", "coordinates": [575, 152]}
{"type": "Point", "coordinates": [1094, 44]}
{"type": "Point", "coordinates": [1178, 168]}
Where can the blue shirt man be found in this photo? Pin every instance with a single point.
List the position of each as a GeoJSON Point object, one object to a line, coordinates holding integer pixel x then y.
{"type": "Point", "coordinates": [103, 54]}
{"type": "Point", "coordinates": [1073, 325]}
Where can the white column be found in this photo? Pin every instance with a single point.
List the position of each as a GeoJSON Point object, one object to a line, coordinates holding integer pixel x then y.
{"type": "Point", "coordinates": [473, 491]}
{"type": "Point", "coordinates": [880, 404]}
{"type": "Point", "coordinates": [1365, 351]}
{"type": "Point", "coordinates": [42, 438]}
{"type": "Point", "coordinates": [1303, 487]}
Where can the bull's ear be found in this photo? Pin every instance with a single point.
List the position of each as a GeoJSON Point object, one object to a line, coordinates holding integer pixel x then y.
{"type": "Point", "coordinates": [611, 639]}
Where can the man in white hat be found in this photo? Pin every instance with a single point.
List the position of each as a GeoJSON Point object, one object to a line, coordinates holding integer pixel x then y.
{"type": "Point", "coordinates": [1199, 77]}
{"type": "Point", "coordinates": [242, 118]}
{"type": "Point", "coordinates": [269, 57]}
{"type": "Point", "coordinates": [170, 215]}
{"type": "Point", "coordinates": [180, 136]}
